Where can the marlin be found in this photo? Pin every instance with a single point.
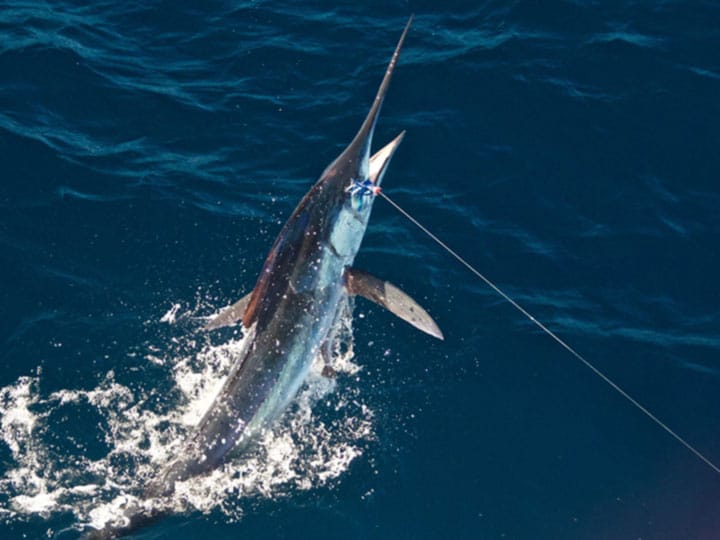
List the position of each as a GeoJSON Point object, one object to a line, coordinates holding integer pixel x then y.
{"type": "Point", "coordinates": [290, 316]}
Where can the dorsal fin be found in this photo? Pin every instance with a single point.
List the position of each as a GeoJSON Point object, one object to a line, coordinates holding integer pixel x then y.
{"type": "Point", "coordinates": [230, 314]}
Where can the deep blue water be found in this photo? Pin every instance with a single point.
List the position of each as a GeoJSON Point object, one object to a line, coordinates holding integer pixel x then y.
{"type": "Point", "coordinates": [149, 153]}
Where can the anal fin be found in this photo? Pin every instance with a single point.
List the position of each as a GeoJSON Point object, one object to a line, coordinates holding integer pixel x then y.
{"type": "Point", "coordinates": [391, 298]}
{"type": "Point", "coordinates": [230, 314]}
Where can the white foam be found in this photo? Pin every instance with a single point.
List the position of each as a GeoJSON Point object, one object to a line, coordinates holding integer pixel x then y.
{"type": "Point", "coordinates": [41, 503]}
{"type": "Point", "coordinates": [143, 432]}
{"type": "Point", "coordinates": [16, 419]}
{"type": "Point", "coordinates": [171, 316]}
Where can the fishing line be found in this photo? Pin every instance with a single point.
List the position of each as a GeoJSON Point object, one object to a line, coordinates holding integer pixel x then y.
{"type": "Point", "coordinates": [552, 334]}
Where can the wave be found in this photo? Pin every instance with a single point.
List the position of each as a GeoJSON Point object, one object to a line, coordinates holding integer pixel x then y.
{"type": "Point", "coordinates": [629, 37]}
{"type": "Point", "coordinates": [663, 338]}
{"type": "Point", "coordinates": [658, 320]}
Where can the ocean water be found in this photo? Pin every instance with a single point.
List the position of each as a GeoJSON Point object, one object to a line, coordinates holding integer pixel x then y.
{"type": "Point", "coordinates": [149, 154]}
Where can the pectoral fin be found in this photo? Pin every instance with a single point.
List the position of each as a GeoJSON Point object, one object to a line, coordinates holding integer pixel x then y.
{"type": "Point", "coordinates": [391, 298]}
{"type": "Point", "coordinates": [230, 314]}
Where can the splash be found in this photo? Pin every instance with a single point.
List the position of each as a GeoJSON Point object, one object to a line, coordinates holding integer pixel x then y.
{"type": "Point", "coordinates": [95, 476]}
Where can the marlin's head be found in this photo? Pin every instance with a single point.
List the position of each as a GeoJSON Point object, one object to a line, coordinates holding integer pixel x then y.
{"type": "Point", "coordinates": [353, 178]}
